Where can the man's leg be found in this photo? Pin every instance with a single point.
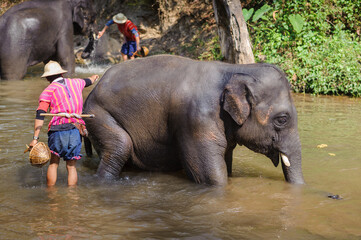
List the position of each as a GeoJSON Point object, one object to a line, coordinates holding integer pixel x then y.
{"type": "Point", "coordinates": [52, 173]}
{"type": "Point", "coordinates": [125, 57]}
{"type": "Point", "coordinates": [125, 51]}
{"type": "Point", "coordinates": [72, 174]}
{"type": "Point", "coordinates": [132, 49]}
{"type": "Point", "coordinates": [72, 155]}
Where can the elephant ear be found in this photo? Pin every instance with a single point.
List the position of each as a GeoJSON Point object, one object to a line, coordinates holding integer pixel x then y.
{"type": "Point", "coordinates": [236, 98]}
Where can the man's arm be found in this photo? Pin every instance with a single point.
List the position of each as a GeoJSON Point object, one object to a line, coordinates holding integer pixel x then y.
{"type": "Point", "coordinates": [90, 80]}
{"type": "Point", "coordinates": [110, 22]}
{"type": "Point", "coordinates": [39, 121]}
{"type": "Point", "coordinates": [37, 127]}
{"type": "Point", "coordinates": [137, 38]}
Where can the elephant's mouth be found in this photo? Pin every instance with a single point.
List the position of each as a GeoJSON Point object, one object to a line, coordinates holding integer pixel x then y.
{"type": "Point", "coordinates": [292, 173]}
{"type": "Point", "coordinates": [275, 156]}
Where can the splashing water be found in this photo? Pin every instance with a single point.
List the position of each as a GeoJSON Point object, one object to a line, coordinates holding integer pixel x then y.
{"type": "Point", "coordinates": [92, 68]}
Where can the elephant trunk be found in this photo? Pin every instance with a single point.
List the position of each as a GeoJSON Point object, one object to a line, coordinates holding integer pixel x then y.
{"type": "Point", "coordinates": [292, 163]}
{"type": "Point", "coordinates": [293, 174]}
{"type": "Point", "coordinates": [90, 47]}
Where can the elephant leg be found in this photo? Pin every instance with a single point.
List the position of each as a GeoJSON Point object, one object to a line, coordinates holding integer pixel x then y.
{"type": "Point", "coordinates": [14, 67]}
{"type": "Point", "coordinates": [114, 146]}
{"type": "Point", "coordinates": [65, 53]}
{"type": "Point", "coordinates": [204, 162]}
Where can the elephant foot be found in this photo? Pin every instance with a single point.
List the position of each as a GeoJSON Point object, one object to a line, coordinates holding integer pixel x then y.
{"type": "Point", "coordinates": [107, 176]}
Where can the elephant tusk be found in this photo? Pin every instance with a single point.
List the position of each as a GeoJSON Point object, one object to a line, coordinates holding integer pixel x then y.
{"type": "Point", "coordinates": [285, 160]}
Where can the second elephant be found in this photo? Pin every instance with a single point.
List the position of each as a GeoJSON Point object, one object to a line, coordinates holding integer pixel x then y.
{"type": "Point", "coordinates": [37, 31]}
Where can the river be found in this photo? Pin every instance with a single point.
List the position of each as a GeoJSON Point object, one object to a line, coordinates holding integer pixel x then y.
{"type": "Point", "coordinates": [256, 204]}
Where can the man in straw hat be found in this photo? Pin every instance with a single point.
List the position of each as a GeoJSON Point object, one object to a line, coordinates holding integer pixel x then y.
{"type": "Point", "coordinates": [63, 95]}
{"type": "Point", "coordinates": [130, 32]}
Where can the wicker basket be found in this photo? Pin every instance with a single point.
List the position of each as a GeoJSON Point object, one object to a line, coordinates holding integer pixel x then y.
{"type": "Point", "coordinates": [39, 155]}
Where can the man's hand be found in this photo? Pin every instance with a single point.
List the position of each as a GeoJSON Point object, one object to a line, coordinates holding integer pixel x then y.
{"type": "Point", "coordinates": [33, 143]}
{"type": "Point", "coordinates": [100, 34]}
{"type": "Point", "coordinates": [94, 78]}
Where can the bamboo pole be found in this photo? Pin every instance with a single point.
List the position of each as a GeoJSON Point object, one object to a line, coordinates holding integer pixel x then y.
{"type": "Point", "coordinates": [67, 114]}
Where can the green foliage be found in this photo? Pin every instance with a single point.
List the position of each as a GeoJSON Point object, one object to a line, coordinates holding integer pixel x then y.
{"type": "Point", "coordinates": [297, 22]}
{"type": "Point", "coordinates": [247, 14]}
{"type": "Point", "coordinates": [260, 12]}
{"type": "Point", "coordinates": [330, 68]}
{"type": "Point", "coordinates": [213, 52]}
{"type": "Point", "coordinates": [315, 42]}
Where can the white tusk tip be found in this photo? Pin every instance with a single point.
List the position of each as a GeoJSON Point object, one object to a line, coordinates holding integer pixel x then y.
{"type": "Point", "coordinates": [285, 160]}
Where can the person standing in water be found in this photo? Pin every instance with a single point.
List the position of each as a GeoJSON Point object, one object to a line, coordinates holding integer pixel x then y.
{"type": "Point", "coordinates": [130, 32]}
{"type": "Point", "coordinates": [63, 95]}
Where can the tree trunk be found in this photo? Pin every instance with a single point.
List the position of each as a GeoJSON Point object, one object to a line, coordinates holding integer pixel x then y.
{"type": "Point", "coordinates": [236, 46]}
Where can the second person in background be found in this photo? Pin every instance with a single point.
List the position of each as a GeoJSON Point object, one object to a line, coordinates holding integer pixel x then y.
{"type": "Point", "coordinates": [130, 32]}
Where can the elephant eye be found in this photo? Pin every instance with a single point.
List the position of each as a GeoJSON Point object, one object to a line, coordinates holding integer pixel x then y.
{"type": "Point", "coordinates": [281, 121]}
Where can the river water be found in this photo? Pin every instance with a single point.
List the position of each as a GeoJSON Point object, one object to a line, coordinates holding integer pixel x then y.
{"type": "Point", "coordinates": [256, 204]}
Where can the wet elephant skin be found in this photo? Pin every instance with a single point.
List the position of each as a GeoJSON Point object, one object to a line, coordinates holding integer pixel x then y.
{"type": "Point", "coordinates": [166, 113]}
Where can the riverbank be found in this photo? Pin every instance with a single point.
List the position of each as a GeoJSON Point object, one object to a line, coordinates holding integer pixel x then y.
{"type": "Point", "coordinates": [318, 50]}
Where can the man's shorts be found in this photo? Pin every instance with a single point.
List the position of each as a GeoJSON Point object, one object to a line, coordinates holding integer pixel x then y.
{"type": "Point", "coordinates": [129, 48]}
{"type": "Point", "coordinates": [65, 144]}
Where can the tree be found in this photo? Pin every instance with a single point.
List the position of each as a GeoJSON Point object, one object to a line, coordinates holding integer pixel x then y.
{"type": "Point", "coordinates": [235, 43]}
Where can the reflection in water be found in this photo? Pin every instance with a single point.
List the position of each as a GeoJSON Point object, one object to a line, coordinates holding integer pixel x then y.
{"type": "Point", "coordinates": [256, 204]}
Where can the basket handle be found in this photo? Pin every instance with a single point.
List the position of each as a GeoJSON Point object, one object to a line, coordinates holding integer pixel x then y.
{"type": "Point", "coordinates": [27, 148]}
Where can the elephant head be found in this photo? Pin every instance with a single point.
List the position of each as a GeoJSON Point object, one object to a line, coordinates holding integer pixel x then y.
{"type": "Point", "coordinates": [260, 104]}
{"type": "Point", "coordinates": [83, 16]}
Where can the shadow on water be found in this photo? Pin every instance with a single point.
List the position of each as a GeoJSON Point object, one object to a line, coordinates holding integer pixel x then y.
{"type": "Point", "coordinates": [256, 203]}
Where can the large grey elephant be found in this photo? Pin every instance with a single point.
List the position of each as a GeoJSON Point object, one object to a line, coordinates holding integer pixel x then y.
{"type": "Point", "coordinates": [38, 31]}
{"type": "Point", "coordinates": [165, 113]}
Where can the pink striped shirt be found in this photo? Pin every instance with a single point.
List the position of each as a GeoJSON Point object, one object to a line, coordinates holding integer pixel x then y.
{"type": "Point", "coordinates": [64, 98]}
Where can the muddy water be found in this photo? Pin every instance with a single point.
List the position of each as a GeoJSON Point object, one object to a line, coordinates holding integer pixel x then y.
{"type": "Point", "coordinates": [256, 204]}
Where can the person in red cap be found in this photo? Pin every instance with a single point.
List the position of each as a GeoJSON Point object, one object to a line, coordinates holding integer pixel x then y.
{"type": "Point", "coordinates": [63, 95]}
{"type": "Point", "coordinates": [130, 32]}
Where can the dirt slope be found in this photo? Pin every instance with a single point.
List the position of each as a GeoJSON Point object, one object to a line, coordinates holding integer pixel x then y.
{"type": "Point", "coordinates": [182, 27]}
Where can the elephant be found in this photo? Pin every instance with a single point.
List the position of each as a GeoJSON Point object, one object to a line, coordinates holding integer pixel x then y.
{"type": "Point", "coordinates": [171, 113]}
{"type": "Point", "coordinates": [38, 31]}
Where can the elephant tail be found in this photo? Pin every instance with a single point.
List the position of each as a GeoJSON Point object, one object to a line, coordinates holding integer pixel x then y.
{"type": "Point", "coordinates": [88, 147]}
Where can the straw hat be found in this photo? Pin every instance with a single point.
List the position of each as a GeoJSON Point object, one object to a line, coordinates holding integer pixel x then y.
{"type": "Point", "coordinates": [52, 68]}
{"type": "Point", "coordinates": [120, 18]}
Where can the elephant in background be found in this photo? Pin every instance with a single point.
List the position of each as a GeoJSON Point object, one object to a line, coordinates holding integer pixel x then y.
{"type": "Point", "coordinates": [165, 113]}
{"type": "Point", "coordinates": [38, 31]}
